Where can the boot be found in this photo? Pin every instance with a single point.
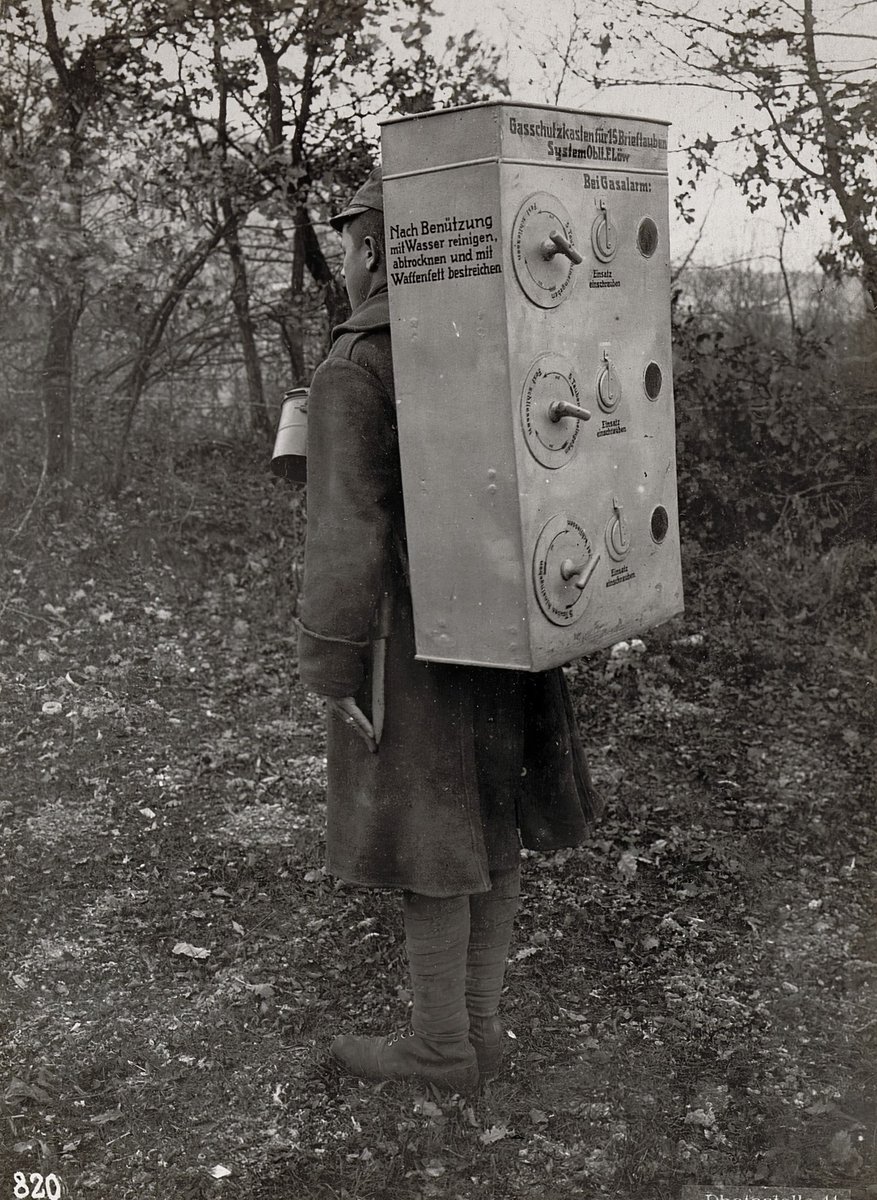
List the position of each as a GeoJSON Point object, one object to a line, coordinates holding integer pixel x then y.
{"type": "Point", "coordinates": [492, 916]}
{"type": "Point", "coordinates": [451, 1067]}
{"type": "Point", "coordinates": [486, 1035]}
{"type": "Point", "coordinates": [437, 1048]}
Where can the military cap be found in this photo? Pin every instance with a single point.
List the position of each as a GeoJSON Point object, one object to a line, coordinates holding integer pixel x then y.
{"type": "Point", "coordinates": [369, 196]}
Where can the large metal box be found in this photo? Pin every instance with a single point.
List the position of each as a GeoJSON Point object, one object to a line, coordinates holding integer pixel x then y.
{"type": "Point", "coordinates": [529, 281]}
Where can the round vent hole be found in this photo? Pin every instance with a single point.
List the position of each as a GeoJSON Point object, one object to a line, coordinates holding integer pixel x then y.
{"type": "Point", "coordinates": [647, 237]}
{"type": "Point", "coordinates": [653, 381]}
{"type": "Point", "coordinates": [660, 523]}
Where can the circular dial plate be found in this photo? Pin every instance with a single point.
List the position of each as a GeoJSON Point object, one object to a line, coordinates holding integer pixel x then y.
{"type": "Point", "coordinates": [618, 536]}
{"type": "Point", "coordinates": [604, 236]}
{"type": "Point", "coordinates": [546, 281]}
{"type": "Point", "coordinates": [562, 538]}
{"type": "Point", "coordinates": [552, 443]}
{"type": "Point", "coordinates": [608, 387]}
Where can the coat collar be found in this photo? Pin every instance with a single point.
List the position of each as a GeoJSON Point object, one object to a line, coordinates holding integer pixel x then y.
{"type": "Point", "coordinates": [373, 314]}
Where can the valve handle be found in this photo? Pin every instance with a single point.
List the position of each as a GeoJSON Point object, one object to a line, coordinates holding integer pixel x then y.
{"type": "Point", "coordinates": [563, 408]}
{"type": "Point", "coordinates": [579, 573]}
{"type": "Point", "coordinates": [620, 525]}
{"type": "Point", "coordinates": [556, 243]}
{"type": "Point", "coordinates": [607, 383]}
{"type": "Point", "coordinates": [606, 235]}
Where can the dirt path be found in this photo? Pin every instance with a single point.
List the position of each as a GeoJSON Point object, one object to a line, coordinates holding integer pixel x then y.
{"type": "Point", "coordinates": [691, 993]}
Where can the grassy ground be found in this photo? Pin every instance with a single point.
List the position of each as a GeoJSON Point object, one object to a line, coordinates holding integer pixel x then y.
{"type": "Point", "coordinates": [690, 996]}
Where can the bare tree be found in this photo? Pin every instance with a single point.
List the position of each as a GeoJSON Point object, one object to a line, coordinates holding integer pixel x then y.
{"type": "Point", "coordinates": [804, 68]}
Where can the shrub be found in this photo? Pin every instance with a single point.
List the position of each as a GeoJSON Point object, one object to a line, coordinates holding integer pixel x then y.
{"type": "Point", "coordinates": [772, 436]}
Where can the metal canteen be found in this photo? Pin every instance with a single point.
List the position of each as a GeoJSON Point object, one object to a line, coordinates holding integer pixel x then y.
{"type": "Point", "coordinates": [289, 459]}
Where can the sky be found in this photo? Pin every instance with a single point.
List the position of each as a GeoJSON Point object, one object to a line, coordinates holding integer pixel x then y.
{"type": "Point", "coordinates": [523, 30]}
{"type": "Point", "coordinates": [725, 229]}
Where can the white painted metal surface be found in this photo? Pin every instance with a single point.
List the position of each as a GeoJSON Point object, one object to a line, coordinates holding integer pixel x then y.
{"type": "Point", "coordinates": [529, 279]}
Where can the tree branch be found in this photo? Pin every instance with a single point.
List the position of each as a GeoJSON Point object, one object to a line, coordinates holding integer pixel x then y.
{"type": "Point", "coordinates": [681, 268]}
{"type": "Point", "coordinates": [851, 203]}
{"type": "Point", "coordinates": [53, 45]}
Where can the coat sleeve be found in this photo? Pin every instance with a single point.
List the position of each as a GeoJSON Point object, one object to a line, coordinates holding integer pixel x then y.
{"type": "Point", "coordinates": [353, 478]}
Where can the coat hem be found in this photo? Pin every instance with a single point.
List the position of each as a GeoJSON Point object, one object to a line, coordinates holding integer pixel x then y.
{"type": "Point", "coordinates": [384, 886]}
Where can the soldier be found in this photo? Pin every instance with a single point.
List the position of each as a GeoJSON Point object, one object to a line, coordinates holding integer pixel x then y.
{"type": "Point", "coordinates": [437, 774]}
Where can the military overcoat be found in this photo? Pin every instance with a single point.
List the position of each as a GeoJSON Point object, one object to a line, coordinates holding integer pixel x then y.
{"type": "Point", "coordinates": [457, 742]}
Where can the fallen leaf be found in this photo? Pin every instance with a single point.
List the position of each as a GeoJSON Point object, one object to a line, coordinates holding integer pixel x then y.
{"type": "Point", "coordinates": [46, 1079]}
{"type": "Point", "coordinates": [580, 1018]}
{"type": "Point", "coordinates": [264, 990]}
{"type": "Point", "coordinates": [821, 1109]}
{"type": "Point", "coordinates": [689, 640]}
{"type": "Point", "coordinates": [627, 865]}
{"type": "Point", "coordinates": [190, 951]}
{"type": "Point", "coordinates": [19, 1090]}
{"type": "Point", "coordinates": [701, 1117]}
{"type": "Point", "coordinates": [843, 1153]}
{"type": "Point", "coordinates": [427, 1109]}
{"type": "Point", "coordinates": [494, 1134]}
{"type": "Point", "coordinates": [104, 1118]}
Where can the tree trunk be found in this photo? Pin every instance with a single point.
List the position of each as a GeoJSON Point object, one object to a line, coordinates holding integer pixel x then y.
{"type": "Point", "coordinates": [78, 91]}
{"type": "Point", "coordinates": [260, 421]}
{"type": "Point", "coordinates": [308, 251]}
{"type": "Point", "coordinates": [151, 340]}
{"type": "Point", "coordinates": [293, 344]}
{"type": "Point", "coordinates": [851, 199]}
{"type": "Point", "coordinates": [334, 295]}
{"type": "Point", "coordinates": [288, 316]}
{"type": "Point", "coordinates": [58, 385]}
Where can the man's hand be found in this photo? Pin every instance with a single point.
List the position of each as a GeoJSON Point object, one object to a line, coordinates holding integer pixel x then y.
{"type": "Point", "coordinates": [351, 714]}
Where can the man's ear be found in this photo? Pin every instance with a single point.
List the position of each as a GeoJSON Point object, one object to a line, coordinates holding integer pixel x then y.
{"type": "Point", "coordinates": [373, 255]}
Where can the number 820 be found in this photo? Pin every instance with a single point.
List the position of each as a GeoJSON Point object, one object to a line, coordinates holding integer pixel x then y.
{"type": "Point", "coordinates": [36, 1186]}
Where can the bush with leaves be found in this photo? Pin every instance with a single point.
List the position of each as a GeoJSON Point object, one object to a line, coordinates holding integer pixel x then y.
{"type": "Point", "coordinates": [771, 437]}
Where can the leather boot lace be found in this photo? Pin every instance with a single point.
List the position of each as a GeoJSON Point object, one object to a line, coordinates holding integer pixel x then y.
{"type": "Point", "coordinates": [399, 1035]}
